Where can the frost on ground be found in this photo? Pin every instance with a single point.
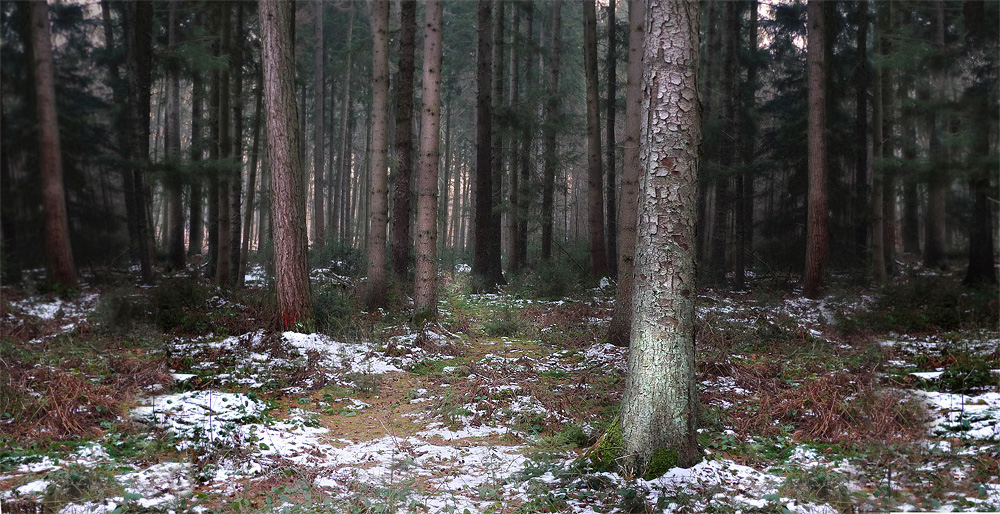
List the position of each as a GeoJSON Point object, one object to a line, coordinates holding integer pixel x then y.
{"type": "Point", "coordinates": [440, 419]}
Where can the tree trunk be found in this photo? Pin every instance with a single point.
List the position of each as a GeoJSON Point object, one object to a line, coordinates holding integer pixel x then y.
{"type": "Point", "coordinates": [659, 408]}
{"type": "Point", "coordinates": [621, 320]}
{"type": "Point", "coordinates": [595, 176]}
{"type": "Point", "coordinates": [527, 139]}
{"type": "Point", "coordinates": [486, 240]}
{"type": "Point", "coordinates": [223, 270]}
{"type": "Point", "coordinates": [340, 197]}
{"type": "Point", "coordinates": [911, 218]}
{"type": "Point", "coordinates": [514, 214]}
{"type": "Point", "coordinates": [612, 216]}
{"type": "Point", "coordinates": [425, 283]}
{"type": "Point", "coordinates": [401, 240]}
{"type": "Point", "coordinates": [138, 25]}
{"type": "Point", "coordinates": [378, 208]}
{"type": "Point", "coordinates": [319, 132]}
{"type": "Point", "coordinates": [173, 182]}
{"type": "Point", "coordinates": [879, 272]}
{"type": "Point", "coordinates": [252, 183]}
{"type": "Point", "coordinates": [862, 84]}
{"type": "Point", "coordinates": [236, 181]}
{"type": "Point", "coordinates": [549, 130]}
{"type": "Point", "coordinates": [748, 146]}
{"type": "Point", "coordinates": [288, 213]}
{"type": "Point", "coordinates": [937, 182]}
{"type": "Point", "coordinates": [817, 234]}
{"type": "Point", "coordinates": [499, 124]}
{"type": "Point", "coordinates": [58, 250]}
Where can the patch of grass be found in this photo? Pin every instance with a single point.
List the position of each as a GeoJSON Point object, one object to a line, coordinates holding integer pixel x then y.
{"type": "Point", "coordinates": [78, 484]}
{"type": "Point", "coordinates": [505, 323]}
{"type": "Point", "coordinates": [818, 485]}
{"type": "Point", "coordinates": [365, 384]}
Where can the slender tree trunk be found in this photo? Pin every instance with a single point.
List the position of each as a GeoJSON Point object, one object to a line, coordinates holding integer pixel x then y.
{"type": "Point", "coordinates": [340, 197]}
{"type": "Point", "coordinates": [748, 147]}
{"type": "Point", "coordinates": [486, 239]}
{"type": "Point", "coordinates": [513, 187]}
{"type": "Point", "coordinates": [879, 271]}
{"type": "Point", "coordinates": [527, 138]}
{"type": "Point", "coordinates": [252, 181]}
{"type": "Point", "coordinates": [595, 176]}
{"type": "Point", "coordinates": [223, 270]}
{"type": "Point", "coordinates": [549, 130]}
{"type": "Point", "coordinates": [236, 184]}
{"type": "Point", "coordinates": [911, 219]}
{"type": "Point", "coordinates": [173, 182]}
{"type": "Point", "coordinates": [621, 320]}
{"type": "Point", "coordinates": [319, 133]}
{"type": "Point", "coordinates": [196, 227]}
{"type": "Point", "coordinates": [495, 244]}
{"type": "Point", "coordinates": [378, 208]}
{"type": "Point", "coordinates": [288, 214]}
{"type": "Point", "coordinates": [425, 283]}
{"type": "Point", "coordinates": [937, 182]}
{"type": "Point", "coordinates": [890, 220]}
{"type": "Point", "coordinates": [659, 408]}
{"type": "Point", "coordinates": [612, 215]}
{"type": "Point", "coordinates": [862, 84]}
{"type": "Point", "coordinates": [817, 234]}
{"type": "Point", "coordinates": [138, 25]}
{"type": "Point", "coordinates": [58, 250]}
{"type": "Point", "coordinates": [214, 147]}
{"type": "Point", "coordinates": [444, 222]}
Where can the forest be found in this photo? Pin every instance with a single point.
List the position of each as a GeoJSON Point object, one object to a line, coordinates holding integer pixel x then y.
{"type": "Point", "coordinates": [495, 256]}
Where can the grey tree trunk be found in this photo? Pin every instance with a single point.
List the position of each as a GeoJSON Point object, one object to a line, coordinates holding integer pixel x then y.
{"type": "Point", "coordinates": [288, 208]}
{"type": "Point", "coordinates": [611, 195]}
{"type": "Point", "coordinates": [401, 240]}
{"type": "Point", "coordinates": [378, 207]}
{"type": "Point", "coordinates": [223, 270]}
{"type": "Point", "coordinates": [549, 135]}
{"type": "Point", "coordinates": [319, 109]}
{"type": "Point", "coordinates": [621, 320]}
{"type": "Point", "coordinates": [659, 408]}
{"type": "Point", "coordinates": [425, 283]}
{"type": "Point", "coordinates": [236, 181]}
{"type": "Point", "coordinates": [57, 245]}
{"type": "Point", "coordinates": [817, 232]}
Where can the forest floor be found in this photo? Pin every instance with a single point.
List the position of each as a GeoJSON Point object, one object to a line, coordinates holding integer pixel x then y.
{"type": "Point", "coordinates": [180, 398]}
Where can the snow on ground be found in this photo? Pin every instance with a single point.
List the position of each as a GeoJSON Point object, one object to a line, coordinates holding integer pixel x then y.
{"type": "Point", "coordinates": [969, 416]}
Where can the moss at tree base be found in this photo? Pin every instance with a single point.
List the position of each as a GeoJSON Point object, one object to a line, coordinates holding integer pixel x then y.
{"type": "Point", "coordinates": [660, 462]}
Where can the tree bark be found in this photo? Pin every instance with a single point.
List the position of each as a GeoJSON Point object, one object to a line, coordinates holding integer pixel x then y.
{"type": "Point", "coordinates": [401, 240]}
{"type": "Point", "coordinates": [378, 207]}
{"type": "Point", "coordinates": [486, 239]}
{"type": "Point", "coordinates": [748, 146]}
{"type": "Point", "coordinates": [817, 232]}
{"type": "Point", "coordinates": [514, 214]}
{"type": "Point", "coordinates": [937, 182]}
{"type": "Point", "coordinates": [236, 182]}
{"type": "Point", "coordinates": [319, 133]}
{"type": "Point", "coordinates": [173, 182]}
{"type": "Point", "coordinates": [862, 84]}
{"type": "Point", "coordinates": [223, 271]}
{"type": "Point", "coordinates": [138, 25]}
{"type": "Point", "coordinates": [659, 408]}
{"type": "Point", "coordinates": [549, 130]}
{"type": "Point", "coordinates": [621, 319]}
{"type": "Point", "coordinates": [252, 182]}
{"type": "Point", "coordinates": [425, 283]}
{"type": "Point", "coordinates": [58, 250]}
{"type": "Point", "coordinates": [595, 176]}
{"type": "Point", "coordinates": [288, 214]}
{"type": "Point", "coordinates": [879, 271]}
{"type": "Point", "coordinates": [340, 197]}
{"type": "Point", "coordinates": [527, 138]}
{"type": "Point", "coordinates": [611, 195]}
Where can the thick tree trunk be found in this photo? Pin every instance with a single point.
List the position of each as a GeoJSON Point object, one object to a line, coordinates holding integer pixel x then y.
{"type": "Point", "coordinates": [58, 251]}
{"type": "Point", "coordinates": [425, 283]}
{"type": "Point", "coordinates": [595, 176]}
{"type": "Point", "coordinates": [486, 240]}
{"type": "Point", "coordinates": [319, 132]}
{"type": "Point", "coordinates": [659, 408]}
{"type": "Point", "coordinates": [611, 195]}
{"type": "Point", "coordinates": [401, 240]}
{"type": "Point", "coordinates": [288, 209]}
{"type": "Point", "coordinates": [549, 130]}
{"type": "Point", "coordinates": [621, 320]}
{"type": "Point", "coordinates": [817, 232]}
{"type": "Point", "coordinates": [173, 182]}
{"type": "Point", "coordinates": [378, 207]}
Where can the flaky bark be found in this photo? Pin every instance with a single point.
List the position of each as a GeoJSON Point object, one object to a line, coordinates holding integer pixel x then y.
{"type": "Point", "coordinates": [288, 210]}
{"type": "Point", "coordinates": [659, 409]}
{"type": "Point", "coordinates": [817, 232]}
{"type": "Point", "coordinates": [378, 206]}
{"type": "Point", "coordinates": [621, 320]}
{"type": "Point", "coordinates": [425, 284]}
{"type": "Point", "coordinates": [57, 245]}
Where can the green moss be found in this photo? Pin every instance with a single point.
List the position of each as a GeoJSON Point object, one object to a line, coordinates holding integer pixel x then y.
{"type": "Point", "coordinates": [660, 462]}
{"type": "Point", "coordinates": [609, 448]}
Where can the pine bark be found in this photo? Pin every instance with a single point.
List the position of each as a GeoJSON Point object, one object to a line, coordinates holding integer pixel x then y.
{"type": "Point", "coordinates": [402, 243]}
{"type": "Point", "coordinates": [288, 213]}
{"type": "Point", "coordinates": [196, 227]}
{"type": "Point", "coordinates": [817, 232]}
{"type": "Point", "coordinates": [514, 214]}
{"type": "Point", "coordinates": [595, 175]}
{"type": "Point", "coordinates": [173, 182]}
{"type": "Point", "coordinates": [223, 271]}
{"type": "Point", "coordinates": [621, 319]}
{"type": "Point", "coordinates": [552, 117]}
{"type": "Point", "coordinates": [425, 282]}
{"type": "Point", "coordinates": [236, 180]}
{"type": "Point", "coordinates": [611, 147]}
{"type": "Point", "coordinates": [138, 25]}
{"type": "Point", "coordinates": [659, 408]}
{"type": "Point", "coordinates": [58, 250]}
{"type": "Point", "coordinates": [252, 182]}
{"type": "Point", "coordinates": [862, 84]}
{"type": "Point", "coordinates": [378, 207]}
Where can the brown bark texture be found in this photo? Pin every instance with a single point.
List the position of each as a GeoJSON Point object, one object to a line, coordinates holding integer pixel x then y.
{"type": "Point", "coordinates": [549, 129]}
{"type": "Point", "coordinates": [378, 206]}
{"type": "Point", "coordinates": [401, 198]}
{"type": "Point", "coordinates": [817, 231]}
{"type": "Point", "coordinates": [595, 174]}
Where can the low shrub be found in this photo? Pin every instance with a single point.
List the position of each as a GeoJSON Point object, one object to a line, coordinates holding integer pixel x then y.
{"type": "Point", "coordinates": [920, 304]}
